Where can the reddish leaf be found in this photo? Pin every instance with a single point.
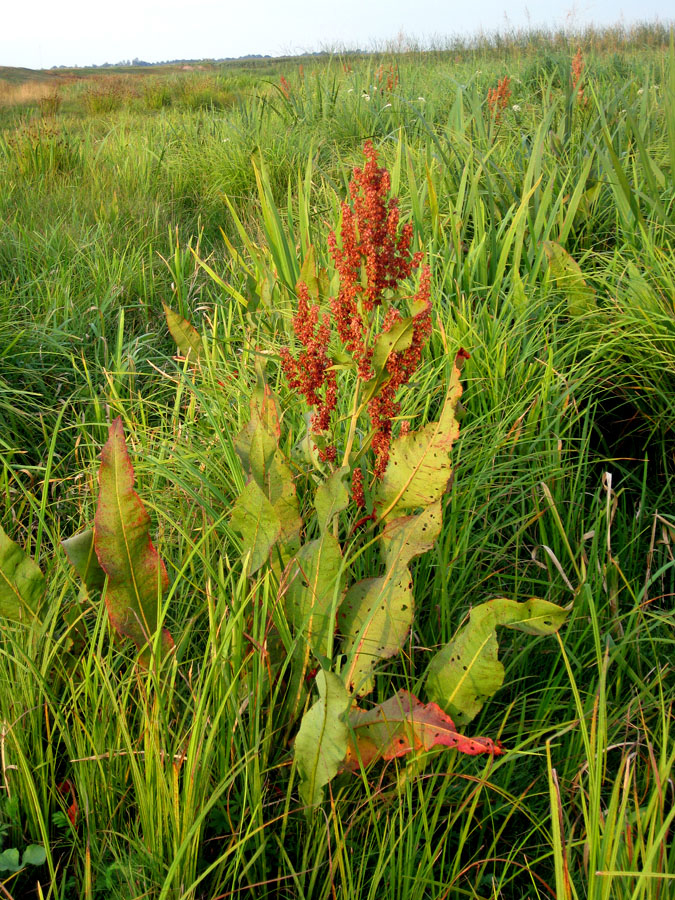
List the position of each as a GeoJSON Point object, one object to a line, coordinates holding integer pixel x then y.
{"type": "Point", "coordinates": [402, 724]}
{"type": "Point", "coordinates": [136, 575]}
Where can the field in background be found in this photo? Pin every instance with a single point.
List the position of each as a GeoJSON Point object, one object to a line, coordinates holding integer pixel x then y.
{"type": "Point", "coordinates": [549, 222]}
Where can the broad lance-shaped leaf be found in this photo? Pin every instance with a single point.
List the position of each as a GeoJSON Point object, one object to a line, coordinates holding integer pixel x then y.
{"type": "Point", "coordinates": [409, 536]}
{"type": "Point", "coordinates": [22, 584]}
{"type": "Point", "coordinates": [254, 519]}
{"type": "Point", "coordinates": [568, 278]}
{"type": "Point", "coordinates": [185, 335]}
{"type": "Point", "coordinates": [280, 490]}
{"type": "Point", "coordinates": [137, 577]}
{"type": "Point", "coordinates": [331, 497]}
{"type": "Point", "coordinates": [419, 467]}
{"type": "Point", "coordinates": [82, 556]}
{"type": "Point", "coordinates": [321, 742]}
{"type": "Point", "coordinates": [258, 440]}
{"type": "Point", "coordinates": [315, 582]}
{"type": "Point", "coordinates": [375, 618]}
{"type": "Point", "coordinates": [467, 671]}
{"type": "Point", "coordinates": [376, 614]}
{"type": "Point", "coordinates": [403, 724]}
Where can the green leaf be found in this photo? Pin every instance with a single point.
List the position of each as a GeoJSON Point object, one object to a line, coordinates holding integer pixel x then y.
{"type": "Point", "coordinates": [82, 556]}
{"type": "Point", "coordinates": [403, 724]}
{"type": "Point", "coordinates": [34, 855]}
{"type": "Point", "coordinates": [419, 469]}
{"type": "Point", "coordinates": [409, 536]}
{"type": "Point", "coordinates": [308, 274]}
{"type": "Point", "coordinates": [186, 336]}
{"type": "Point", "coordinates": [567, 277]}
{"type": "Point", "coordinates": [137, 577]}
{"type": "Point", "coordinates": [321, 743]}
{"type": "Point", "coordinates": [22, 584]}
{"type": "Point", "coordinates": [258, 440]}
{"type": "Point", "coordinates": [312, 590]}
{"type": "Point", "coordinates": [331, 497]}
{"type": "Point", "coordinates": [280, 490]}
{"type": "Point", "coordinates": [467, 671]}
{"type": "Point", "coordinates": [9, 860]}
{"type": "Point", "coordinates": [253, 517]}
{"type": "Point", "coordinates": [375, 618]}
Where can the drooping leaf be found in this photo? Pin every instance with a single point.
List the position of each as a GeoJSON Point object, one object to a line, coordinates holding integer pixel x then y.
{"type": "Point", "coordinates": [409, 536]}
{"type": "Point", "coordinates": [82, 556]}
{"type": "Point", "coordinates": [403, 724]}
{"type": "Point", "coordinates": [185, 335]}
{"type": "Point", "coordinates": [137, 577]}
{"type": "Point", "coordinates": [314, 580]}
{"type": "Point", "coordinates": [466, 671]}
{"type": "Point", "coordinates": [566, 274]}
{"type": "Point", "coordinates": [321, 742]}
{"type": "Point", "coordinates": [375, 618]}
{"type": "Point", "coordinates": [254, 519]}
{"type": "Point", "coordinates": [22, 584]}
{"type": "Point", "coordinates": [419, 469]}
{"type": "Point", "coordinates": [331, 497]}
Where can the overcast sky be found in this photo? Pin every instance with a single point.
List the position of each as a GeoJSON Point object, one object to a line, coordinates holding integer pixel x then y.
{"type": "Point", "coordinates": [40, 34]}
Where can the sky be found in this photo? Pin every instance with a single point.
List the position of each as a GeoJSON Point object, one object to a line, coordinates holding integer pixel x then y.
{"type": "Point", "coordinates": [43, 33]}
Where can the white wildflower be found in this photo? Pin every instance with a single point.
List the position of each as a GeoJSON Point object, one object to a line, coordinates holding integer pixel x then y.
{"type": "Point", "coordinates": [421, 99]}
{"type": "Point", "coordinates": [386, 106]}
{"type": "Point", "coordinates": [641, 92]}
{"type": "Point", "coordinates": [516, 107]}
{"type": "Point", "coordinates": [366, 97]}
{"type": "Point", "coordinates": [350, 91]}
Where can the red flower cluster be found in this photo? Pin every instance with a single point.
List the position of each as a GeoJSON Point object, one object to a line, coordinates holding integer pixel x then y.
{"type": "Point", "coordinates": [374, 256]}
{"type": "Point", "coordinates": [285, 87]}
{"type": "Point", "coordinates": [370, 239]}
{"type": "Point", "coordinates": [498, 98]}
{"type": "Point", "coordinates": [311, 373]}
{"type": "Point", "coordinates": [578, 67]}
{"type": "Point", "coordinates": [400, 367]}
{"type": "Point", "coordinates": [387, 78]}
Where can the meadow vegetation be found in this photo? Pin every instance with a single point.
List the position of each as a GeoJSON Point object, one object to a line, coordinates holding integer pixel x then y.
{"type": "Point", "coordinates": [536, 174]}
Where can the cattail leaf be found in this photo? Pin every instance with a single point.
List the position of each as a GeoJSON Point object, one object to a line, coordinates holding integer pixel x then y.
{"type": "Point", "coordinates": [419, 470]}
{"type": "Point", "coordinates": [186, 336]}
{"type": "Point", "coordinates": [82, 556]}
{"type": "Point", "coordinates": [466, 671]}
{"type": "Point", "coordinates": [321, 742]}
{"type": "Point", "coordinates": [314, 582]}
{"type": "Point", "coordinates": [375, 618]}
{"type": "Point", "coordinates": [255, 520]}
{"type": "Point", "coordinates": [22, 584]}
{"type": "Point", "coordinates": [331, 497]}
{"type": "Point", "coordinates": [404, 724]}
{"type": "Point", "coordinates": [567, 277]}
{"type": "Point", "coordinates": [409, 536]}
{"type": "Point", "coordinates": [137, 577]}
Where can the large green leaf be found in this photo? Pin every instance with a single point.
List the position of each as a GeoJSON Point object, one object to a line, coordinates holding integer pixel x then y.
{"type": "Point", "coordinates": [254, 518]}
{"type": "Point", "coordinates": [321, 742]}
{"type": "Point", "coordinates": [403, 724]}
{"type": "Point", "coordinates": [331, 497]}
{"type": "Point", "coordinates": [375, 618]}
{"type": "Point", "coordinates": [566, 273]}
{"type": "Point", "coordinates": [280, 490]}
{"type": "Point", "coordinates": [185, 335]}
{"type": "Point", "coordinates": [314, 580]}
{"type": "Point", "coordinates": [137, 577]}
{"type": "Point", "coordinates": [82, 556]}
{"type": "Point", "coordinates": [467, 671]}
{"type": "Point", "coordinates": [22, 584]}
{"type": "Point", "coordinates": [419, 470]}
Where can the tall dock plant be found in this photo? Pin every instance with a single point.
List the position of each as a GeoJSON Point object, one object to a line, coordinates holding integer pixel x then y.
{"type": "Point", "coordinates": [376, 484]}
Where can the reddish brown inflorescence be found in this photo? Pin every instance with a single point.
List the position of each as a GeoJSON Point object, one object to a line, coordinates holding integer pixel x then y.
{"type": "Point", "coordinates": [498, 98]}
{"type": "Point", "coordinates": [372, 259]}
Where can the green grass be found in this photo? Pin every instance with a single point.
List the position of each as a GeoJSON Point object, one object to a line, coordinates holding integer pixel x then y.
{"type": "Point", "coordinates": [563, 470]}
